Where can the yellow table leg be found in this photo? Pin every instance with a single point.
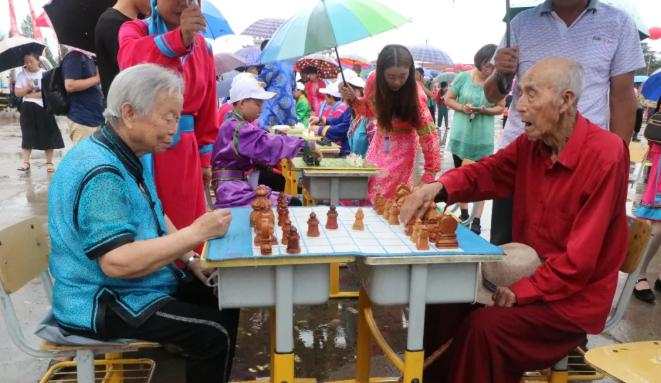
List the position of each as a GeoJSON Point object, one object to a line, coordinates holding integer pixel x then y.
{"type": "Point", "coordinates": [283, 368]}
{"type": "Point", "coordinates": [115, 374]}
{"type": "Point", "coordinates": [413, 366]}
{"type": "Point", "coordinates": [335, 284]}
{"type": "Point", "coordinates": [559, 377]}
{"type": "Point", "coordinates": [363, 341]}
{"type": "Point", "coordinates": [272, 333]}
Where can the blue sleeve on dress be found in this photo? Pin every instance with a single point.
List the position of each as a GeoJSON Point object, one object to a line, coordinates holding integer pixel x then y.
{"type": "Point", "coordinates": [72, 66]}
{"type": "Point", "coordinates": [102, 212]}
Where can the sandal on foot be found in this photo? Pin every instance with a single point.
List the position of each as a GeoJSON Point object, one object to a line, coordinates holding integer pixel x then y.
{"type": "Point", "coordinates": [24, 168]}
{"type": "Point", "coordinates": [645, 295]}
{"type": "Point", "coordinates": [50, 167]}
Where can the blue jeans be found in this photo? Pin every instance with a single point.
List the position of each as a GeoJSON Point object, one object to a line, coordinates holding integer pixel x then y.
{"type": "Point", "coordinates": [442, 111]}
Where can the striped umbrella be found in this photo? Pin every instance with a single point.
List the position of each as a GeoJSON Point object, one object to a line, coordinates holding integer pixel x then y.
{"type": "Point", "coordinates": [250, 55]}
{"type": "Point", "coordinates": [327, 25]}
{"type": "Point", "coordinates": [263, 28]}
{"type": "Point", "coordinates": [430, 55]}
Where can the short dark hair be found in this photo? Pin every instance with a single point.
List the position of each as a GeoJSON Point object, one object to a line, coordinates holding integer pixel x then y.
{"type": "Point", "coordinates": [402, 103]}
{"type": "Point", "coordinates": [33, 54]}
{"type": "Point", "coordinates": [444, 84]}
{"type": "Point", "coordinates": [421, 71]}
{"type": "Point", "coordinates": [309, 70]}
{"type": "Point", "coordinates": [484, 55]}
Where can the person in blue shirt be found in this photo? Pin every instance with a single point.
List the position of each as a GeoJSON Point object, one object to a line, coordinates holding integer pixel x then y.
{"type": "Point", "coordinates": [82, 83]}
{"type": "Point", "coordinates": [337, 129]}
{"type": "Point", "coordinates": [113, 249]}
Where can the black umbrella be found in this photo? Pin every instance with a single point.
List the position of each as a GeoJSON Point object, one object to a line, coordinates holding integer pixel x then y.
{"type": "Point", "coordinates": [13, 49]}
{"type": "Point", "coordinates": [74, 20]}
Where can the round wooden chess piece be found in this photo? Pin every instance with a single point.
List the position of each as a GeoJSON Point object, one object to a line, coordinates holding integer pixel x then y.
{"type": "Point", "coordinates": [331, 220]}
{"type": "Point", "coordinates": [293, 245]}
{"type": "Point", "coordinates": [447, 236]}
{"type": "Point", "coordinates": [358, 223]}
{"type": "Point", "coordinates": [313, 225]}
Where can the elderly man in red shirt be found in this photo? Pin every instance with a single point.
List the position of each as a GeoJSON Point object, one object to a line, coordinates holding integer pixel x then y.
{"type": "Point", "coordinates": [568, 180]}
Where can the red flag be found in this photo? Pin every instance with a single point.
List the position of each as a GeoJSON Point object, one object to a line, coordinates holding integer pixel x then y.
{"type": "Point", "coordinates": [13, 30]}
{"type": "Point", "coordinates": [43, 21]}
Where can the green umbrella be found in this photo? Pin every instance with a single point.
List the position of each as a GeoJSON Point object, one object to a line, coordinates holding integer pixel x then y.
{"type": "Point", "coordinates": [445, 76]}
{"type": "Point", "coordinates": [327, 25]}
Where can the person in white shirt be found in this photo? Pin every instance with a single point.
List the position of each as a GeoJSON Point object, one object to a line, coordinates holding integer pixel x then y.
{"type": "Point", "coordinates": [39, 129]}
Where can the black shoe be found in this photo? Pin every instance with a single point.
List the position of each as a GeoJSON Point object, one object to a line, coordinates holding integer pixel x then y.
{"type": "Point", "coordinates": [475, 227]}
{"type": "Point", "coordinates": [657, 285]}
{"type": "Point", "coordinates": [645, 295]}
{"type": "Point", "coordinates": [464, 219]}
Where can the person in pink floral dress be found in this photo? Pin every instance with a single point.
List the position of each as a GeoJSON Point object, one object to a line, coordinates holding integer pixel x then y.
{"type": "Point", "coordinates": [399, 106]}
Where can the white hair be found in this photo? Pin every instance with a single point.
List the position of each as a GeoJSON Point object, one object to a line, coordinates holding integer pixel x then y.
{"type": "Point", "coordinates": [572, 79]}
{"type": "Point", "coordinates": [139, 86]}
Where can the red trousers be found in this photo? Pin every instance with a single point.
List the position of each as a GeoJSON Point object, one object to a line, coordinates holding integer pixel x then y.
{"type": "Point", "coordinates": [495, 344]}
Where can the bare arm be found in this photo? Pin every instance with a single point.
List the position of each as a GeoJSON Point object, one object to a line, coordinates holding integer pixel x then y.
{"type": "Point", "coordinates": [27, 92]}
{"type": "Point", "coordinates": [506, 61]}
{"type": "Point", "coordinates": [140, 258]}
{"type": "Point", "coordinates": [83, 84]}
{"type": "Point", "coordinates": [452, 103]}
{"type": "Point", "coordinates": [622, 106]}
{"type": "Point", "coordinates": [496, 109]}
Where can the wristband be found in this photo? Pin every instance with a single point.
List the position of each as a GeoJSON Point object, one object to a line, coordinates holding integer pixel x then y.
{"type": "Point", "coordinates": [191, 259]}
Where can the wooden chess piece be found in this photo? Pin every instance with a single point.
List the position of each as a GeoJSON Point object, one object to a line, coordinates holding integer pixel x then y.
{"type": "Point", "coordinates": [268, 215]}
{"type": "Point", "coordinates": [378, 203]}
{"type": "Point", "coordinates": [313, 225]}
{"type": "Point", "coordinates": [286, 226]}
{"type": "Point", "coordinates": [358, 223]}
{"type": "Point", "coordinates": [432, 228]}
{"type": "Point", "coordinates": [447, 237]}
{"type": "Point", "coordinates": [409, 227]}
{"type": "Point", "coordinates": [284, 216]}
{"type": "Point", "coordinates": [331, 220]}
{"type": "Point", "coordinates": [423, 239]}
{"type": "Point", "coordinates": [293, 246]}
{"type": "Point", "coordinates": [386, 209]}
{"type": "Point", "coordinates": [401, 193]}
{"type": "Point", "coordinates": [265, 241]}
{"type": "Point", "coordinates": [260, 203]}
{"type": "Point", "coordinates": [393, 219]}
{"type": "Point", "coordinates": [417, 227]}
{"type": "Point", "coordinates": [430, 213]}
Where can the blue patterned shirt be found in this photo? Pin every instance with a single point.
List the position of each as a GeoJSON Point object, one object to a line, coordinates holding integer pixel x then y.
{"type": "Point", "coordinates": [101, 198]}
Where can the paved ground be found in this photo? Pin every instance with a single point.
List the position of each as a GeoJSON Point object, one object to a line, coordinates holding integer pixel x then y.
{"type": "Point", "coordinates": [324, 334]}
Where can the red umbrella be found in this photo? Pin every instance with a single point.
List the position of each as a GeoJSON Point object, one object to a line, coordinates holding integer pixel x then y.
{"type": "Point", "coordinates": [327, 68]}
{"type": "Point", "coordinates": [655, 33]}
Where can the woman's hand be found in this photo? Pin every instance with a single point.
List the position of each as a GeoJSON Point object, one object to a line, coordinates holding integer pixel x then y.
{"type": "Point", "coordinates": [191, 22]}
{"type": "Point", "coordinates": [347, 92]}
{"type": "Point", "coordinates": [467, 108]}
{"type": "Point", "coordinates": [201, 272]}
{"type": "Point", "coordinates": [212, 224]}
{"type": "Point", "coordinates": [313, 120]}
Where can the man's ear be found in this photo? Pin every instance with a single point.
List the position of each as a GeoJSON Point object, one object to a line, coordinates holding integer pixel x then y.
{"type": "Point", "coordinates": [128, 115]}
{"type": "Point", "coordinates": [568, 100]}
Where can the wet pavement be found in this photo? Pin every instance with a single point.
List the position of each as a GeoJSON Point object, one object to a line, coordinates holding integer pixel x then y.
{"type": "Point", "coordinates": [324, 334]}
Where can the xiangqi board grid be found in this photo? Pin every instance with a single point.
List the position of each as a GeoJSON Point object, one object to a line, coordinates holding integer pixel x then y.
{"type": "Point", "coordinates": [378, 239]}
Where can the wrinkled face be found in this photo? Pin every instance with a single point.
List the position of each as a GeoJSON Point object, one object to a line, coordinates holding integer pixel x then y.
{"type": "Point", "coordinates": [170, 11]}
{"type": "Point", "coordinates": [250, 108]}
{"type": "Point", "coordinates": [540, 106]}
{"type": "Point", "coordinates": [153, 133]}
{"type": "Point", "coordinates": [396, 77]}
{"type": "Point", "coordinates": [31, 63]}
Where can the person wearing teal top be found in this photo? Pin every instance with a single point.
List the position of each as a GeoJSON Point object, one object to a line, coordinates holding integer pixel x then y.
{"type": "Point", "coordinates": [472, 133]}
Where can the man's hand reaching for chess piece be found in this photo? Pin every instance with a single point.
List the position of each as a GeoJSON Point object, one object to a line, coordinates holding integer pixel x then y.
{"type": "Point", "coordinates": [415, 205]}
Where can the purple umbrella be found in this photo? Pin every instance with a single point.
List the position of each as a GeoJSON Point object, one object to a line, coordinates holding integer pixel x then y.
{"type": "Point", "coordinates": [429, 54]}
{"type": "Point", "coordinates": [250, 55]}
{"type": "Point", "coordinates": [264, 28]}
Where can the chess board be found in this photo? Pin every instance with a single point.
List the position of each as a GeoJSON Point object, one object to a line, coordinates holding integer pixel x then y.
{"type": "Point", "coordinates": [378, 239]}
{"type": "Point", "coordinates": [334, 164]}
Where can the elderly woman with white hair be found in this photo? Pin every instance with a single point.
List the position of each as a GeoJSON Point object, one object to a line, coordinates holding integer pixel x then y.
{"type": "Point", "coordinates": [113, 249]}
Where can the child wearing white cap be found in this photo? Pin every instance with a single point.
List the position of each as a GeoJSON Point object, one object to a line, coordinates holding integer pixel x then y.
{"type": "Point", "coordinates": [303, 110]}
{"type": "Point", "coordinates": [241, 145]}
